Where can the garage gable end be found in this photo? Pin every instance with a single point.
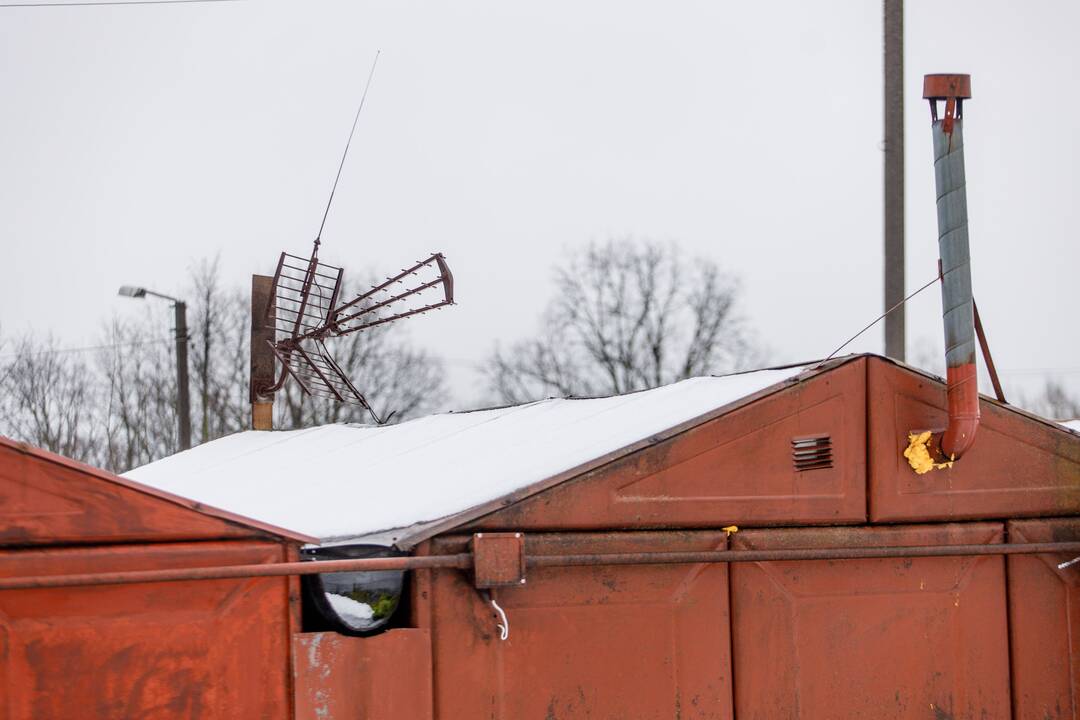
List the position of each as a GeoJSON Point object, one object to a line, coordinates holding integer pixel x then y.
{"type": "Point", "coordinates": [1019, 465]}
{"type": "Point", "coordinates": [46, 499]}
{"type": "Point", "coordinates": [794, 456]}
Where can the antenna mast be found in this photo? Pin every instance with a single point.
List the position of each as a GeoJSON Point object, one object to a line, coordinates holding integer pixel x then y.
{"type": "Point", "coordinates": [345, 154]}
{"type": "Point", "coordinates": [299, 308]}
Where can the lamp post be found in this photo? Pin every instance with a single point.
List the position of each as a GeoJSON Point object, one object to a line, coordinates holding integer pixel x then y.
{"type": "Point", "coordinates": [183, 400]}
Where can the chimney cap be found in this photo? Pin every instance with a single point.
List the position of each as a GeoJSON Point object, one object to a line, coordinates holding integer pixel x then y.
{"type": "Point", "coordinates": [945, 86]}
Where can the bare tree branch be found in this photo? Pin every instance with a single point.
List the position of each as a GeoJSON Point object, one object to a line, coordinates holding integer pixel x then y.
{"type": "Point", "coordinates": [627, 315]}
{"type": "Point", "coordinates": [117, 409]}
{"type": "Point", "coordinates": [47, 399]}
{"type": "Point", "coordinates": [1054, 402]}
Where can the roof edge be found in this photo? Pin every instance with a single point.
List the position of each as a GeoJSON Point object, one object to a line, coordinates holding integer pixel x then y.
{"type": "Point", "coordinates": [427, 530]}
{"type": "Point", "coordinates": [229, 517]}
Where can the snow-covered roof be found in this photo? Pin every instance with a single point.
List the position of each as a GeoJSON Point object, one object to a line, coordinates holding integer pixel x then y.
{"type": "Point", "coordinates": [389, 484]}
{"type": "Point", "coordinates": [1073, 425]}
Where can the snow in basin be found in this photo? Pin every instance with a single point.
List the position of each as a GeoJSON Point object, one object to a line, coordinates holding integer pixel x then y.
{"type": "Point", "coordinates": [354, 612]}
{"type": "Point", "coordinates": [342, 481]}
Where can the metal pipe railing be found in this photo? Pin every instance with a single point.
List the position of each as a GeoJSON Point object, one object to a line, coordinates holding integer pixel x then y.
{"type": "Point", "coordinates": [464, 561]}
{"type": "Point", "coordinates": [856, 553]}
{"type": "Point", "coordinates": [307, 567]}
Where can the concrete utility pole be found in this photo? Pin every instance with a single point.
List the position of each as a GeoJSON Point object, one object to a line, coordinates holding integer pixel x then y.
{"type": "Point", "coordinates": [894, 177]}
{"type": "Point", "coordinates": [183, 399]}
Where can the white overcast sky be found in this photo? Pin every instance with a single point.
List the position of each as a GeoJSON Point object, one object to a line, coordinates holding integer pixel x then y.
{"type": "Point", "coordinates": [135, 141]}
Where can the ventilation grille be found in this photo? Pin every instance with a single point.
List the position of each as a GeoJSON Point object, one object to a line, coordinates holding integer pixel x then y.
{"type": "Point", "coordinates": [811, 452]}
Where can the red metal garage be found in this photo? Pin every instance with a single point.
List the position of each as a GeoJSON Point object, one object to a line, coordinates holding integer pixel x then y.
{"type": "Point", "coordinates": [179, 650]}
{"type": "Point", "coordinates": [753, 546]}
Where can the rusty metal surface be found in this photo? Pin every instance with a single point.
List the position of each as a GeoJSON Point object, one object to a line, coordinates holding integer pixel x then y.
{"type": "Point", "coordinates": [367, 310]}
{"type": "Point", "coordinates": [991, 369]}
{"type": "Point", "coordinates": [1044, 615]}
{"type": "Point", "coordinates": [303, 296]}
{"type": "Point", "coordinates": [883, 638]}
{"type": "Point", "coordinates": [1021, 467]}
{"type": "Point", "coordinates": [737, 468]}
{"type": "Point", "coordinates": [789, 553]}
{"type": "Point", "coordinates": [385, 677]}
{"type": "Point", "coordinates": [596, 642]}
{"type": "Point", "coordinates": [294, 615]}
{"type": "Point", "coordinates": [487, 515]}
{"type": "Point", "coordinates": [955, 267]}
{"type": "Point", "coordinates": [186, 651]}
{"type": "Point", "coordinates": [946, 85]}
{"type": "Point", "coordinates": [300, 309]}
{"type": "Point", "coordinates": [47, 499]}
{"type": "Point", "coordinates": [217, 572]}
{"type": "Point", "coordinates": [261, 372]}
{"type": "Point", "coordinates": [303, 309]}
{"type": "Point", "coordinates": [956, 439]}
{"type": "Point", "coordinates": [315, 371]}
{"type": "Point", "coordinates": [502, 563]}
{"type": "Point", "coordinates": [498, 559]}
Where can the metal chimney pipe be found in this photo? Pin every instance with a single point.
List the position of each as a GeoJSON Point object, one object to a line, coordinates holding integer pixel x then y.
{"type": "Point", "coordinates": [956, 298]}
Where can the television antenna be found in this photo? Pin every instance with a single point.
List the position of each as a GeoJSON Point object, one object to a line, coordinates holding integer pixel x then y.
{"type": "Point", "coordinates": [305, 308]}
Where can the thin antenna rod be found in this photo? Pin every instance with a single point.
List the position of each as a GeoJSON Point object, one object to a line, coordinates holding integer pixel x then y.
{"type": "Point", "coordinates": [363, 97]}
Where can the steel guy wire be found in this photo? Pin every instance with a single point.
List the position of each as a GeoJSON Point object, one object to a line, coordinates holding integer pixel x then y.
{"type": "Point", "coordinates": [879, 318]}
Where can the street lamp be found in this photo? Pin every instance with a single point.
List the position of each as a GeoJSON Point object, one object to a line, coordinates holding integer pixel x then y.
{"type": "Point", "coordinates": [183, 401]}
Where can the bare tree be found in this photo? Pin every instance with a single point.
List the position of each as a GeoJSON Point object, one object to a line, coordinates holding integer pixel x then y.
{"type": "Point", "coordinates": [136, 375]}
{"type": "Point", "coordinates": [1054, 402]}
{"type": "Point", "coordinates": [220, 342]}
{"type": "Point", "coordinates": [47, 399]}
{"type": "Point", "coordinates": [117, 407]}
{"type": "Point", "coordinates": [627, 315]}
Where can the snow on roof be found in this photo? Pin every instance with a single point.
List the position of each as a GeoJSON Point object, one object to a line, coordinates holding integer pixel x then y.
{"type": "Point", "coordinates": [1073, 425]}
{"type": "Point", "coordinates": [381, 484]}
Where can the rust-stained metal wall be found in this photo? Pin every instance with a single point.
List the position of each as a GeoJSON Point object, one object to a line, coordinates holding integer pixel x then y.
{"type": "Point", "coordinates": [1018, 466]}
{"type": "Point", "coordinates": [385, 677]}
{"type": "Point", "coordinates": [214, 649]}
{"type": "Point", "coordinates": [911, 637]}
{"type": "Point", "coordinates": [616, 642]}
{"type": "Point", "coordinates": [738, 468]}
{"type": "Point", "coordinates": [882, 638]}
{"type": "Point", "coordinates": [1044, 615]}
{"type": "Point", "coordinates": [192, 650]}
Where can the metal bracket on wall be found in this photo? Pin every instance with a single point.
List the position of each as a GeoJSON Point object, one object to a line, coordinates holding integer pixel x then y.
{"type": "Point", "coordinates": [498, 559]}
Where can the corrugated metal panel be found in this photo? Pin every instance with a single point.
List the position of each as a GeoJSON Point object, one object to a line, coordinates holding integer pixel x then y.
{"type": "Point", "coordinates": [585, 642]}
{"type": "Point", "coordinates": [883, 638]}
{"type": "Point", "coordinates": [184, 650]}
{"type": "Point", "coordinates": [1044, 614]}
